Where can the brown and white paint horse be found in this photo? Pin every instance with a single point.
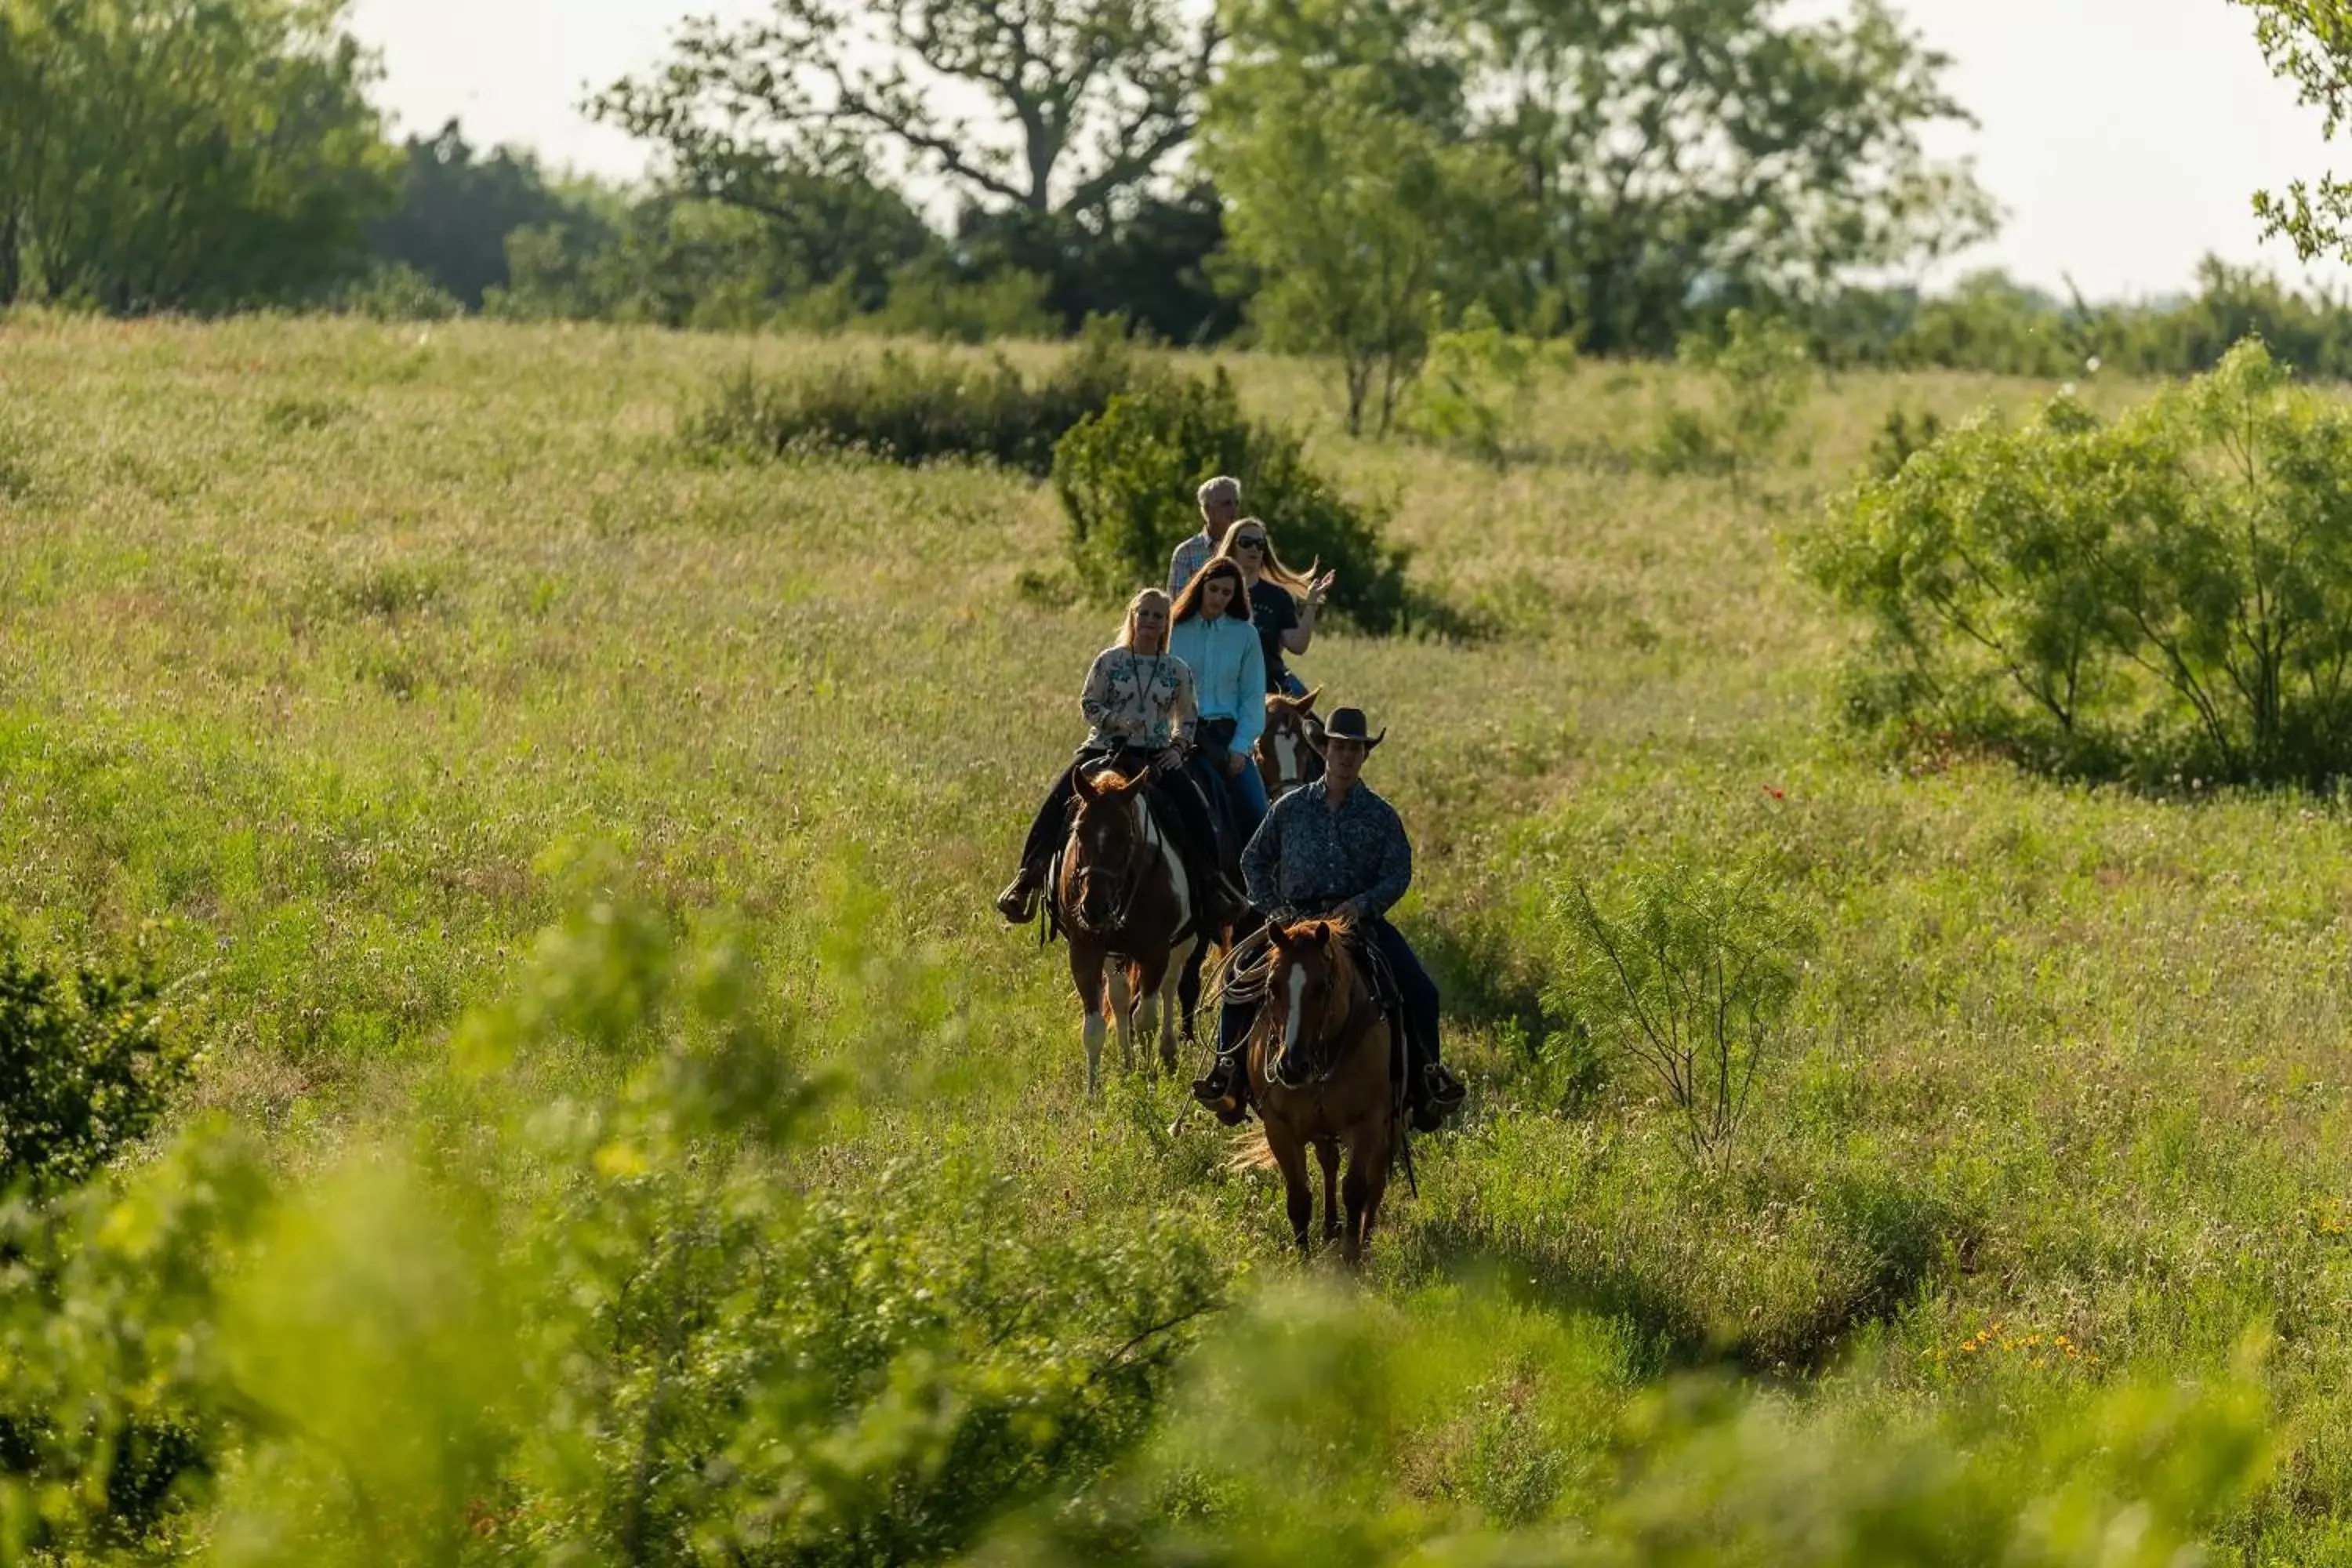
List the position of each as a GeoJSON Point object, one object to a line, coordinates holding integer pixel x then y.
{"type": "Point", "coordinates": [1285, 760]}
{"type": "Point", "coordinates": [1130, 914]}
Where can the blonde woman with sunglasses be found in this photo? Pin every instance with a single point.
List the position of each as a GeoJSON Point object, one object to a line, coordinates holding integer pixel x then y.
{"type": "Point", "coordinates": [1283, 602]}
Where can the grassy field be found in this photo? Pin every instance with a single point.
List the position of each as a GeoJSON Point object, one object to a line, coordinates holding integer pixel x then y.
{"type": "Point", "coordinates": [329, 647]}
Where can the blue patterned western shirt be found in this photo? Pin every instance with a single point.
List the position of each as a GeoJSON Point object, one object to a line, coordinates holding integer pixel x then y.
{"type": "Point", "coordinates": [1309, 858]}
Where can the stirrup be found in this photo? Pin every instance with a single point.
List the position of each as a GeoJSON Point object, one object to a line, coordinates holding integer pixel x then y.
{"type": "Point", "coordinates": [1441, 1095]}
{"type": "Point", "coordinates": [1018, 902]}
{"type": "Point", "coordinates": [1225, 1089]}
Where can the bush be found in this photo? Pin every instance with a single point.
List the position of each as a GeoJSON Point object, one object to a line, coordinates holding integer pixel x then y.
{"type": "Point", "coordinates": [2170, 591]}
{"type": "Point", "coordinates": [929, 301]}
{"type": "Point", "coordinates": [1476, 392]}
{"type": "Point", "coordinates": [610, 1323]}
{"type": "Point", "coordinates": [1340, 1432]}
{"type": "Point", "coordinates": [913, 411]}
{"type": "Point", "coordinates": [396, 291]}
{"type": "Point", "coordinates": [1764, 373]}
{"type": "Point", "coordinates": [87, 1067]}
{"type": "Point", "coordinates": [1689, 971]}
{"type": "Point", "coordinates": [1130, 480]}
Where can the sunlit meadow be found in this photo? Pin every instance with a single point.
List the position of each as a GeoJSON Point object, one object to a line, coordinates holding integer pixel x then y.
{"type": "Point", "coordinates": [339, 658]}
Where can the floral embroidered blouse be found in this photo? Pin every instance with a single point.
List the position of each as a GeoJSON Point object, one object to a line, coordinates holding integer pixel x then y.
{"type": "Point", "coordinates": [1142, 700]}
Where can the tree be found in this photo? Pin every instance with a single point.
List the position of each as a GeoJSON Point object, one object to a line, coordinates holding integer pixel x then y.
{"type": "Point", "coordinates": [1089, 100]}
{"type": "Point", "coordinates": [457, 209]}
{"type": "Point", "coordinates": [679, 261]}
{"type": "Point", "coordinates": [2309, 42]}
{"type": "Point", "coordinates": [1149, 264]}
{"type": "Point", "coordinates": [1337, 137]}
{"type": "Point", "coordinates": [1672, 150]}
{"type": "Point", "coordinates": [184, 154]}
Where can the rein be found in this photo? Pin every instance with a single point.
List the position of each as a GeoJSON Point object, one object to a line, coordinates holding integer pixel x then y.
{"type": "Point", "coordinates": [1131, 887]}
{"type": "Point", "coordinates": [1326, 1047]}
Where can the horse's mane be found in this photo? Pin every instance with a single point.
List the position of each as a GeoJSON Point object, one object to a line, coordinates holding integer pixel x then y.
{"type": "Point", "coordinates": [1110, 781]}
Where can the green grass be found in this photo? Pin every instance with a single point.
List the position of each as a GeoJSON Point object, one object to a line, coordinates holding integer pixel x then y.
{"type": "Point", "coordinates": [327, 645]}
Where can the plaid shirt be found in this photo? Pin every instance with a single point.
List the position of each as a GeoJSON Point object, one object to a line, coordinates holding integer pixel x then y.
{"type": "Point", "coordinates": [1186, 563]}
{"type": "Point", "coordinates": [1311, 858]}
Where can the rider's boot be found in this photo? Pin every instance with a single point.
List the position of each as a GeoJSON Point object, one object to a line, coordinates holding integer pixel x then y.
{"type": "Point", "coordinates": [1441, 1094]}
{"type": "Point", "coordinates": [1018, 902]}
{"type": "Point", "coordinates": [1225, 1089]}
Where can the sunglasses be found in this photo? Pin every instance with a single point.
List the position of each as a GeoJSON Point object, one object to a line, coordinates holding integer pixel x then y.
{"type": "Point", "coordinates": [1249, 545]}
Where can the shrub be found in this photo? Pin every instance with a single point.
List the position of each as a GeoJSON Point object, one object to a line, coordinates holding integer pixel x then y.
{"type": "Point", "coordinates": [1763, 372]}
{"type": "Point", "coordinates": [614, 1322]}
{"type": "Point", "coordinates": [2172, 590]}
{"type": "Point", "coordinates": [1477, 391]}
{"type": "Point", "coordinates": [911, 411]}
{"type": "Point", "coordinates": [1897, 438]}
{"type": "Point", "coordinates": [1130, 480]}
{"type": "Point", "coordinates": [396, 291]}
{"type": "Point", "coordinates": [1689, 971]}
{"type": "Point", "coordinates": [928, 302]}
{"type": "Point", "coordinates": [1339, 1431]}
{"type": "Point", "coordinates": [87, 1067]}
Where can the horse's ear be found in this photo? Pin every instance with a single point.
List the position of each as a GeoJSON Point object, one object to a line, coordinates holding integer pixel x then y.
{"type": "Point", "coordinates": [1307, 704]}
{"type": "Point", "coordinates": [1082, 783]}
{"type": "Point", "coordinates": [1276, 934]}
{"type": "Point", "coordinates": [1322, 931]}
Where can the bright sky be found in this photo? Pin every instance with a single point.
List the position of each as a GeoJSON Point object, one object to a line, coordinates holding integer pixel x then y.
{"type": "Point", "coordinates": [2124, 137]}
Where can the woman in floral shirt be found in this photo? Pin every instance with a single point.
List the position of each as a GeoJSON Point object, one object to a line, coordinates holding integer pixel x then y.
{"type": "Point", "coordinates": [1140, 706]}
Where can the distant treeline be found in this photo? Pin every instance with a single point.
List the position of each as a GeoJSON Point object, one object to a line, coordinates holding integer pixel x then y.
{"type": "Point", "coordinates": [1339, 177]}
{"type": "Point", "coordinates": [1990, 323]}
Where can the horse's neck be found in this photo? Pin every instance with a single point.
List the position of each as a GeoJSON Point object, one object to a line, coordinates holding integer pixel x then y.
{"type": "Point", "coordinates": [1346, 979]}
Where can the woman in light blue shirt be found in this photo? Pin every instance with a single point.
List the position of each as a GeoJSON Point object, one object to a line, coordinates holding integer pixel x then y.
{"type": "Point", "coordinates": [1214, 636]}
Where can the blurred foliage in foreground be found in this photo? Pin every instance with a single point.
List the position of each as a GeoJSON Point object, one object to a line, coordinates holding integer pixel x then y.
{"type": "Point", "coordinates": [619, 1320]}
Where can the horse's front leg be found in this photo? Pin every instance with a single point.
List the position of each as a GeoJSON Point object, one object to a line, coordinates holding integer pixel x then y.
{"type": "Point", "coordinates": [1188, 986]}
{"type": "Point", "coordinates": [1162, 995]}
{"type": "Point", "coordinates": [1298, 1198]}
{"type": "Point", "coordinates": [1371, 1150]}
{"type": "Point", "coordinates": [1122, 1010]}
{"type": "Point", "coordinates": [1327, 1154]}
{"type": "Point", "coordinates": [1087, 974]}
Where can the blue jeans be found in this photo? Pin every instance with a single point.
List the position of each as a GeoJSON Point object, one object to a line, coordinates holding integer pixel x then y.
{"type": "Point", "coordinates": [1290, 683]}
{"type": "Point", "coordinates": [1246, 790]}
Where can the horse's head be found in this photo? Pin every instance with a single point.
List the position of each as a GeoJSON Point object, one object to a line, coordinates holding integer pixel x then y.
{"type": "Point", "coordinates": [1106, 844]}
{"type": "Point", "coordinates": [1308, 985]}
{"type": "Point", "coordinates": [1285, 760]}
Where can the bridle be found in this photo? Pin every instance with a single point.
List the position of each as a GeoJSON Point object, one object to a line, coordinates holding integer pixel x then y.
{"type": "Point", "coordinates": [1130, 888]}
{"type": "Point", "coordinates": [1286, 745]}
{"type": "Point", "coordinates": [1321, 1063]}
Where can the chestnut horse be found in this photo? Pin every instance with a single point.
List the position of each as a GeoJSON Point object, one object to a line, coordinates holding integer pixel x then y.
{"type": "Point", "coordinates": [1321, 1075]}
{"type": "Point", "coordinates": [1285, 760]}
{"type": "Point", "coordinates": [1122, 898]}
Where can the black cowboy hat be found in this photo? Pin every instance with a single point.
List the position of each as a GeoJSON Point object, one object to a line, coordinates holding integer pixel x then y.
{"type": "Point", "coordinates": [1347, 724]}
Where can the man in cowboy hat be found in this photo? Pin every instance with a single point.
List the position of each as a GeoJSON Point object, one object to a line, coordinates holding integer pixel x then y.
{"type": "Point", "coordinates": [1333, 849]}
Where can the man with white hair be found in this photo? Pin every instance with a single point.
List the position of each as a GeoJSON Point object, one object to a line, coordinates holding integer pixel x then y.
{"type": "Point", "coordinates": [1221, 503]}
